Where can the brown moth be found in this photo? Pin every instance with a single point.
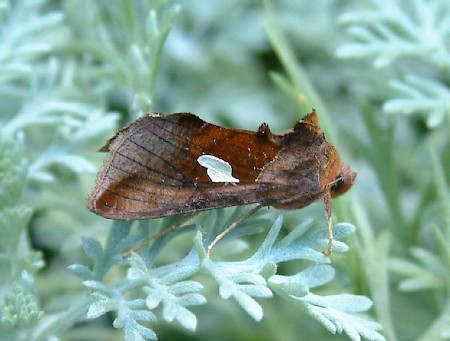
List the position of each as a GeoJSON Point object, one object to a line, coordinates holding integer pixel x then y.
{"type": "Point", "coordinates": [162, 165]}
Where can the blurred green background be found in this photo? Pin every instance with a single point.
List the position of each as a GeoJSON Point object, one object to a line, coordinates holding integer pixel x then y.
{"type": "Point", "coordinates": [377, 72]}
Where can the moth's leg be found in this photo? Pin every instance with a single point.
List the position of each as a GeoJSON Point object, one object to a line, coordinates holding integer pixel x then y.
{"type": "Point", "coordinates": [172, 227]}
{"type": "Point", "coordinates": [327, 204]}
{"type": "Point", "coordinates": [230, 228]}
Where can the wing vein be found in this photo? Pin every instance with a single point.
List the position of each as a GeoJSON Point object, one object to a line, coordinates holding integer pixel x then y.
{"type": "Point", "coordinates": [157, 156]}
{"type": "Point", "coordinates": [140, 177]}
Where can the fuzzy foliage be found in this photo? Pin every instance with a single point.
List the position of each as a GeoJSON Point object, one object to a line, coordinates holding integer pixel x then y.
{"type": "Point", "coordinates": [75, 70]}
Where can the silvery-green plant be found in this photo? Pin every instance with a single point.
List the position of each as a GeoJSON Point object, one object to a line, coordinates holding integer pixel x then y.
{"type": "Point", "coordinates": [411, 37]}
{"type": "Point", "coordinates": [74, 70]}
{"type": "Point", "coordinates": [408, 43]}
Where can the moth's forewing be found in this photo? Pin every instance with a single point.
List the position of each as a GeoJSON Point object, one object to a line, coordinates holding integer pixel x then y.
{"type": "Point", "coordinates": [153, 169]}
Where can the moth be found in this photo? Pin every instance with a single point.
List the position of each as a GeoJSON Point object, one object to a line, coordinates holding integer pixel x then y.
{"type": "Point", "coordinates": [162, 165]}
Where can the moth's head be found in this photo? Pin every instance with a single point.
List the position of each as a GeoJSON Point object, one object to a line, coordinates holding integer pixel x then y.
{"type": "Point", "coordinates": [344, 181]}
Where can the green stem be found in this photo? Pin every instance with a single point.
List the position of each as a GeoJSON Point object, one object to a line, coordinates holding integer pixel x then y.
{"type": "Point", "coordinates": [306, 94]}
{"type": "Point", "coordinates": [441, 188]}
{"type": "Point", "coordinates": [375, 252]}
{"type": "Point", "coordinates": [158, 48]}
